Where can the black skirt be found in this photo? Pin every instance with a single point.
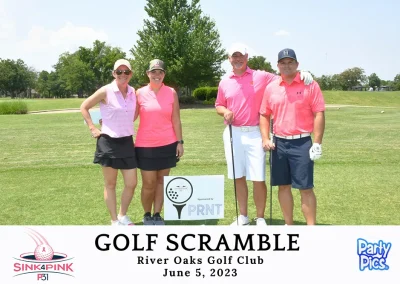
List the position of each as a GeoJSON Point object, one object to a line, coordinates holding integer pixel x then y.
{"type": "Point", "coordinates": [117, 153]}
{"type": "Point", "coordinates": [156, 158]}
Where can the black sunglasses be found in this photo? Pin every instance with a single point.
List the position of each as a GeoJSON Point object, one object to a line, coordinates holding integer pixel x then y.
{"type": "Point", "coordinates": [126, 72]}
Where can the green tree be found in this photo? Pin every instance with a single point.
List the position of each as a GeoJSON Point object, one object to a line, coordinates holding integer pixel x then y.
{"type": "Point", "coordinates": [325, 82]}
{"type": "Point", "coordinates": [187, 41]}
{"type": "Point", "coordinates": [16, 78]}
{"type": "Point", "coordinates": [395, 83]}
{"type": "Point", "coordinates": [58, 87]}
{"type": "Point", "coordinates": [43, 84]}
{"type": "Point", "coordinates": [352, 77]}
{"type": "Point", "coordinates": [5, 76]}
{"type": "Point", "coordinates": [336, 84]}
{"type": "Point", "coordinates": [260, 63]}
{"type": "Point", "coordinates": [77, 75]}
{"type": "Point", "coordinates": [100, 60]}
{"type": "Point", "coordinates": [374, 81]}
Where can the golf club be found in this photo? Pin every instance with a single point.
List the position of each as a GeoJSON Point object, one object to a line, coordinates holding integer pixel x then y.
{"type": "Point", "coordinates": [234, 178]}
{"type": "Point", "coordinates": [271, 130]}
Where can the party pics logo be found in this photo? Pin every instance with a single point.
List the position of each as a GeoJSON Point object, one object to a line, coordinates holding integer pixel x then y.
{"type": "Point", "coordinates": [43, 261]}
{"type": "Point", "coordinates": [373, 256]}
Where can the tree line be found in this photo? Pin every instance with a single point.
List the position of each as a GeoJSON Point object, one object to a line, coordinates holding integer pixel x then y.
{"type": "Point", "coordinates": [177, 32]}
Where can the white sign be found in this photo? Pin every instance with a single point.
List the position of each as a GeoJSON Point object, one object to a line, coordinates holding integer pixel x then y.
{"type": "Point", "coordinates": [194, 197]}
{"type": "Point", "coordinates": [198, 254]}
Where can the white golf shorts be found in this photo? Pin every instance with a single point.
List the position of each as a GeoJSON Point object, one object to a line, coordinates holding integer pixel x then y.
{"type": "Point", "coordinates": [249, 156]}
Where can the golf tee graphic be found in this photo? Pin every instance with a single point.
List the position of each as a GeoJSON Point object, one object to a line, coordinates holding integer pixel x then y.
{"type": "Point", "coordinates": [179, 190]}
{"type": "Point", "coordinates": [43, 260]}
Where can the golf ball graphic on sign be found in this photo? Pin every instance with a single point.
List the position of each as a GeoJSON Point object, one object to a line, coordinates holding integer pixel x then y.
{"type": "Point", "coordinates": [179, 190]}
{"type": "Point", "coordinates": [44, 252]}
{"type": "Point", "coordinates": [43, 262]}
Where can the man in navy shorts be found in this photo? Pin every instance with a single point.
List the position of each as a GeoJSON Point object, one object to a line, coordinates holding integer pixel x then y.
{"type": "Point", "coordinates": [297, 111]}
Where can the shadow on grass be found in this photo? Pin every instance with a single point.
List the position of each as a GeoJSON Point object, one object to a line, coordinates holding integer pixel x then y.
{"type": "Point", "coordinates": [282, 222]}
{"type": "Point", "coordinates": [218, 223]}
{"type": "Point", "coordinates": [189, 223]}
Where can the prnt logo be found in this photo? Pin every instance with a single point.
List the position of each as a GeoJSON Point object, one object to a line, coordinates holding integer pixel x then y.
{"type": "Point", "coordinates": [43, 260]}
{"type": "Point", "coordinates": [373, 256]}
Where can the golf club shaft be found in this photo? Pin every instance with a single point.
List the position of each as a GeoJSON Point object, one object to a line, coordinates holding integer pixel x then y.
{"type": "Point", "coordinates": [234, 178]}
{"type": "Point", "coordinates": [271, 125]}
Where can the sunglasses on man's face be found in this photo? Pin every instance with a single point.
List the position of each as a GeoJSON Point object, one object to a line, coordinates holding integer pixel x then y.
{"type": "Point", "coordinates": [126, 72]}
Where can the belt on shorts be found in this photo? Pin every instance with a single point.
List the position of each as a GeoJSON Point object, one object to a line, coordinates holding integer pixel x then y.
{"type": "Point", "coordinates": [247, 128]}
{"type": "Point", "coordinates": [291, 137]}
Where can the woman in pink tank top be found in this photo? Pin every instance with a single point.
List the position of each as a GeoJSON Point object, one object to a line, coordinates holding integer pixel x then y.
{"type": "Point", "coordinates": [114, 143]}
{"type": "Point", "coordinates": [159, 143]}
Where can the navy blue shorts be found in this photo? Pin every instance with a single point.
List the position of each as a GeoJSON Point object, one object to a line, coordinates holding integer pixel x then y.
{"type": "Point", "coordinates": [291, 163]}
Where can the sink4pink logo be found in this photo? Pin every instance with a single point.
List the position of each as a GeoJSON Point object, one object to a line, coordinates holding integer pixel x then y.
{"type": "Point", "coordinates": [43, 260]}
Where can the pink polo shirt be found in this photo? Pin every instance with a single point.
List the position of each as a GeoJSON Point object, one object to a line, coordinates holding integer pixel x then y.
{"type": "Point", "coordinates": [243, 95]}
{"type": "Point", "coordinates": [155, 111]}
{"type": "Point", "coordinates": [292, 106]}
{"type": "Point", "coordinates": [118, 113]}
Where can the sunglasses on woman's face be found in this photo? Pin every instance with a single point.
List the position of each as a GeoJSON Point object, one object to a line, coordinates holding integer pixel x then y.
{"type": "Point", "coordinates": [126, 72]}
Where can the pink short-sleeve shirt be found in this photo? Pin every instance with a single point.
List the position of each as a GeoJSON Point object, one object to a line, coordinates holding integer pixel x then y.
{"type": "Point", "coordinates": [243, 95]}
{"type": "Point", "coordinates": [292, 106]}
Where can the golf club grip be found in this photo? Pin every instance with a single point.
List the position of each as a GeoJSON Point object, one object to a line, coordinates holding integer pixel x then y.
{"type": "Point", "coordinates": [271, 125]}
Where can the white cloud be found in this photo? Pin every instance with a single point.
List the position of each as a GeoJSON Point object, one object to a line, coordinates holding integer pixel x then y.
{"type": "Point", "coordinates": [42, 48]}
{"type": "Point", "coordinates": [67, 38]}
{"type": "Point", "coordinates": [282, 33]}
{"type": "Point", "coordinates": [7, 27]}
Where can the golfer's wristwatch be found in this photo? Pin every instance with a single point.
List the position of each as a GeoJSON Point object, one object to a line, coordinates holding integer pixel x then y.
{"type": "Point", "coordinates": [180, 141]}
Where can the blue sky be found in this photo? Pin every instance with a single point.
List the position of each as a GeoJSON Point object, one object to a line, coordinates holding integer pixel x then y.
{"type": "Point", "coordinates": [328, 36]}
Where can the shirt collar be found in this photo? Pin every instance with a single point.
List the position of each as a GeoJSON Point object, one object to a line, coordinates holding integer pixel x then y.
{"type": "Point", "coordinates": [115, 89]}
{"type": "Point", "coordinates": [162, 86]}
{"type": "Point", "coordinates": [296, 79]}
{"type": "Point", "coordinates": [248, 71]}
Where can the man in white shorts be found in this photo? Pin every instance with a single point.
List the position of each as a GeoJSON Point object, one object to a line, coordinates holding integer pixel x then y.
{"type": "Point", "coordinates": [238, 101]}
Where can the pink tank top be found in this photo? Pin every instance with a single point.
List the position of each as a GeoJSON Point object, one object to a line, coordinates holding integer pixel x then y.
{"type": "Point", "coordinates": [118, 113]}
{"type": "Point", "coordinates": [155, 111]}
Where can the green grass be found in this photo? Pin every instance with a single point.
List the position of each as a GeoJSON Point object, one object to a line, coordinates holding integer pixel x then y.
{"type": "Point", "coordinates": [49, 104]}
{"type": "Point", "coordinates": [13, 107]}
{"type": "Point", "coordinates": [47, 175]}
{"type": "Point", "coordinates": [331, 97]}
{"type": "Point", "coordinates": [387, 99]}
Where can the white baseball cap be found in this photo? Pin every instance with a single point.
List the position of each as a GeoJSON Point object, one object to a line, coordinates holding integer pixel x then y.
{"type": "Point", "coordinates": [237, 47]}
{"type": "Point", "coordinates": [120, 62]}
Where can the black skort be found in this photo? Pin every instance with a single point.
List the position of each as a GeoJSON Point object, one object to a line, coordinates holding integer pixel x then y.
{"type": "Point", "coordinates": [117, 153]}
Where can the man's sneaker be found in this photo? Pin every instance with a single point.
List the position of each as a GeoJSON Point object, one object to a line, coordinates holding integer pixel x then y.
{"type": "Point", "coordinates": [261, 222]}
{"type": "Point", "coordinates": [158, 220]}
{"type": "Point", "coordinates": [241, 220]}
{"type": "Point", "coordinates": [124, 220]}
{"type": "Point", "coordinates": [116, 223]}
{"type": "Point", "coordinates": [147, 219]}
